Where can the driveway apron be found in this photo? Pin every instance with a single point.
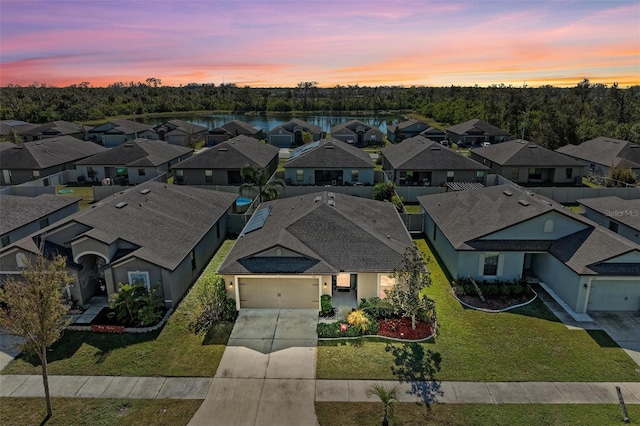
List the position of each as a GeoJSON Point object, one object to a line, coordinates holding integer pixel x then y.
{"type": "Point", "coordinates": [624, 329]}
{"type": "Point", "coordinates": [267, 372]}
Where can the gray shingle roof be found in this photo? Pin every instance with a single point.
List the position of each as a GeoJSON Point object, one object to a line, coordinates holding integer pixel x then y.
{"type": "Point", "coordinates": [403, 125]}
{"type": "Point", "coordinates": [420, 153]}
{"type": "Point", "coordinates": [465, 217]}
{"type": "Point", "coordinates": [355, 235]}
{"type": "Point", "coordinates": [236, 128]}
{"type": "Point", "coordinates": [7, 126]}
{"type": "Point", "coordinates": [289, 126]}
{"type": "Point", "coordinates": [523, 153]}
{"type": "Point", "coordinates": [475, 125]}
{"type": "Point", "coordinates": [38, 155]}
{"type": "Point", "coordinates": [16, 211]}
{"type": "Point", "coordinates": [232, 154]}
{"type": "Point", "coordinates": [331, 152]}
{"type": "Point", "coordinates": [353, 125]}
{"type": "Point", "coordinates": [122, 127]}
{"type": "Point", "coordinates": [623, 211]}
{"type": "Point", "coordinates": [605, 151]}
{"type": "Point", "coordinates": [180, 126]}
{"type": "Point", "coordinates": [138, 153]}
{"type": "Point", "coordinates": [59, 127]}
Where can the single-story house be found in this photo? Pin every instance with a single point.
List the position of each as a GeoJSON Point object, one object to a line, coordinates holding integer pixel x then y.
{"type": "Point", "coordinates": [231, 130]}
{"type": "Point", "coordinates": [357, 133]}
{"type": "Point", "coordinates": [294, 250]}
{"type": "Point", "coordinates": [434, 134]}
{"type": "Point", "coordinates": [601, 153]}
{"type": "Point", "coordinates": [505, 232]}
{"type": "Point", "coordinates": [329, 161]}
{"type": "Point", "coordinates": [7, 127]}
{"type": "Point", "coordinates": [38, 159]}
{"type": "Point", "coordinates": [133, 162]}
{"type": "Point", "coordinates": [22, 216]}
{"type": "Point", "coordinates": [405, 130]}
{"type": "Point", "coordinates": [180, 132]}
{"type": "Point", "coordinates": [55, 129]}
{"type": "Point", "coordinates": [221, 164]}
{"type": "Point", "coordinates": [474, 132]}
{"type": "Point", "coordinates": [289, 134]}
{"type": "Point", "coordinates": [419, 161]}
{"type": "Point", "coordinates": [162, 236]}
{"type": "Point", "coordinates": [117, 132]}
{"type": "Point", "coordinates": [619, 215]}
{"type": "Point", "coordinates": [526, 162]}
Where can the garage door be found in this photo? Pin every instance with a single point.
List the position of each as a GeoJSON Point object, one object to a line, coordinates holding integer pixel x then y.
{"type": "Point", "coordinates": [614, 296]}
{"type": "Point", "coordinates": [275, 293]}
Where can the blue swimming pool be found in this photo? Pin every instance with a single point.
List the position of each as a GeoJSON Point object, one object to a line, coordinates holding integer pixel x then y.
{"type": "Point", "coordinates": [242, 204]}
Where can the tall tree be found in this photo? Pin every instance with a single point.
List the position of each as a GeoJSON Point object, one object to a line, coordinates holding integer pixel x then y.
{"type": "Point", "coordinates": [411, 277]}
{"type": "Point", "coordinates": [258, 180]}
{"type": "Point", "coordinates": [34, 309]}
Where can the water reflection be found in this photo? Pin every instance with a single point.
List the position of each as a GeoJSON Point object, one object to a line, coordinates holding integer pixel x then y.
{"type": "Point", "coordinates": [268, 122]}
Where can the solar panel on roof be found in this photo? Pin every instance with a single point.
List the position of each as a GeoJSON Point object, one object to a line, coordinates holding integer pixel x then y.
{"type": "Point", "coordinates": [304, 148]}
{"type": "Point", "coordinates": [257, 220]}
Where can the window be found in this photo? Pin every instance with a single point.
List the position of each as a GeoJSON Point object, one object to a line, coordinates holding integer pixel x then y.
{"type": "Point", "coordinates": [569, 172]}
{"type": "Point", "coordinates": [139, 277]}
{"type": "Point", "coordinates": [354, 175]}
{"type": "Point", "coordinates": [299, 175]}
{"type": "Point", "coordinates": [548, 226]}
{"type": "Point", "coordinates": [192, 256]}
{"type": "Point", "coordinates": [4, 241]}
{"type": "Point", "coordinates": [44, 223]}
{"type": "Point", "coordinates": [208, 176]}
{"type": "Point", "coordinates": [121, 171]}
{"type": "Point", "coordinates": [613, 226]}
{"type": "Point", "coordinates": [515, 173]}
{"type": "Point", "coordinates": [491, 264]}
{"type": "Point", "coordinates": [35, 174]}
{"type": "Point", "coordinates": [451, 175]}
{"type": "Point", "coordinates": [535, 173]}
{"type": "Point", "coordinates": [141, 172]}
{"type": "Point", "coordinates": [480, 176]}
{"type": "Point", "coordinates": [90, 172]}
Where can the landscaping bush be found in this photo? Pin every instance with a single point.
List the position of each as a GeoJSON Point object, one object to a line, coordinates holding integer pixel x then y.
{"type": "Point", "coordinates": [359, 320]}
{"type": "Point", "coordinates": [376, 307]}
{"type": "Point", "coordinates": [332, 330]}
{"type": "Point", "coordinates": [213, 305]}
{"type": "Point", "coordinates": [134, 305]}
{"type": "Point", "coordinates": [326, 307]}
{"type": "Point", "coordinates": [505, 290]}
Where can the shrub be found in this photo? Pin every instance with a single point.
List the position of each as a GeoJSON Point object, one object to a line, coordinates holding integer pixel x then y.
{"type": "Point", "coordinates": [213, 305]}
{"type": "Point", "coordinates": [489, 290]}
{"type": "Point", "coordinates": [518, 290]}
{"type": "Point", "coordinates": [134, 305]}
{"type": "Point", "coordinates": [376, 307]}
{"type": "Point", "coordinates": [332, 330]}
{"type": "Point", "coordinates": [359, 320]}
{"type": "Point", "coordinates": [505, 289]}
{"type": "Point", "coordinates": [326, 307]}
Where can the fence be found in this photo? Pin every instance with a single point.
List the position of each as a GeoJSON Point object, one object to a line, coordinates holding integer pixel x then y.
{"type": "Point", "coordinates": [414, 222]}
{"type": "Point", "coordinates": [569, 195]}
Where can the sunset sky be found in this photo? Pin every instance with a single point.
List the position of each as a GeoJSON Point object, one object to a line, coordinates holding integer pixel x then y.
{"type": "Point", "coordinates": [267, 43]}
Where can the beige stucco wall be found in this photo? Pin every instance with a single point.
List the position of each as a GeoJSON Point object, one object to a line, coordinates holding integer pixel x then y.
{"type": "Point", "coordinates": [367, 285]}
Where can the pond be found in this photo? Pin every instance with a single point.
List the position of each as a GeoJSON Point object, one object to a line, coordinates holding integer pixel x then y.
{"type": "Point", "coordinates": [269, 121]}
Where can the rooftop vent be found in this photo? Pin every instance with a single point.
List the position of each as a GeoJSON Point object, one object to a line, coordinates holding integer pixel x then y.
{"type": "Point", "coordinates": [523, 202]}
{"type": "Point", "coordinates": [332, 195]}
{"type": "Point", "coordinates": [331, 203]}
{"type": "Point", "coordinates": [328, 147]}
{"type": "Point", "coordinates": [120, 205]}
{"type": "Point", "coordinates": [435, 148]}
{"type": "Point", "coordinates": [128, 145]}
{"type": "Point", "coordinates": [522, 141]}
{"type": "Point", "coordinates": [145, 191]}
{"type": "Point", "coordinates": [507, 193]}
{"type": "Point", "coordinates": [317, 198]}
{"type": "Point", "coordinates": [223, 149]}
{"type": "Point", "coordinates": [533, 146]}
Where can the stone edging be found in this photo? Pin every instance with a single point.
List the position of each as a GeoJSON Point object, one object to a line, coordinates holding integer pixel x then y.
{"type": "Point", "coordinates": [496, 311]}
{"type": "Point", "coordinates": [136, 330]}
{"type": "Point", "coordinates": [431, 336]}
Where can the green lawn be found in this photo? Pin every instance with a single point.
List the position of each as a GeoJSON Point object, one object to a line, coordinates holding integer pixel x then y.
{"type": "Point", "coordinates": [412, 208]}
{"type": "Point", "coordinates": [573, 207]}
{"type": "Point", "coordinates": [408, 414]}
{"type": "Point", "coordinates": [103, 412]}
{"type": "Point", "coordinates": [585, 182]}
{"type": "Point", "coordinates": [84, 191]}
{"type": "Point", "coordinates": [526, 344]}
{"type": "Point", "coordinates": [173, 351]}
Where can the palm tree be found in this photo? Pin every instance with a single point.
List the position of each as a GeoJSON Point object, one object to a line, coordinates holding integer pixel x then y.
{"type": "Point", "coordinates": [387, 397]}
{"type": "Point", "coordinates": [257, 179]}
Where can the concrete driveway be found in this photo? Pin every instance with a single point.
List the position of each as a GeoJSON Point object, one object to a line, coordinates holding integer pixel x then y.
{"type": "Point", "coordinates": [624, 329]}
{"type": "Point", "coordinates": [267, 372]}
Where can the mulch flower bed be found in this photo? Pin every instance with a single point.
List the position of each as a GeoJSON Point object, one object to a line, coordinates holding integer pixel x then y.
{"type": "Point", "coordinates": [400, 328]}
{"type": "Point", "coordinates": [495, 302]}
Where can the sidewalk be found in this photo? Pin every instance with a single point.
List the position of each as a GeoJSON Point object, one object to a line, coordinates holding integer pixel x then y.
{"type": "Point", "coordinates": [325, 390]}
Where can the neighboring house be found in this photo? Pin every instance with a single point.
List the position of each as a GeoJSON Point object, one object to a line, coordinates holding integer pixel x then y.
{"type": "Point", "coordinates": [56, 129]}
{"type": "Point", "coordinates": [423, 162]}
{"type": "Point", "coordinates": [357, 133]}
{"type": "Point", "coordinates": [179, 132]}
{"type": "Point", "coordinates": [293, 250]}
{"type": "Point", "coordinates": [526, 162]}
{"type": "Point", "coordinates": [162, 236]}
{"type": "Point", "coordinates": [474, 132]}
{"type": "Point", "coordinates": [117, 132]}
{"type": "Point", "coordinates": [620, 216]}
{"type": "Point", "coordinates": [329, 162]}
{"type": "Point", "coordinates": [505, 232]}
{"type": "Point", "coordinates": [231, 130]}
{"type": "Point", "coordinates": [434, 134]}
{"type": "Point", "coordinates": [600, 154]}
{"type": "Point", "coordinates": [38, 159]}
{"type": "Point", "coordinates": [14, 126]}
{"type": "Point", "coordinates": [221, 164]}
{"type": "Point", "coordinates": [133, 162]}
{"type": "Point", "coordinates": [22, 216]}
{"type": "Point", "coordinates": [405, 130]}
{"type": "Point", "coordinates": [290, 134]}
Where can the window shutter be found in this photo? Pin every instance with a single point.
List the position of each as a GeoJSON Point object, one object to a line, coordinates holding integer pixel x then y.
{"type": "Point", "coordinates": [481, 265]}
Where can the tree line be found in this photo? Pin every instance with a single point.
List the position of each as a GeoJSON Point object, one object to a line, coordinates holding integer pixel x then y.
{"type": "Point", "coordinates": [548, 115]}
